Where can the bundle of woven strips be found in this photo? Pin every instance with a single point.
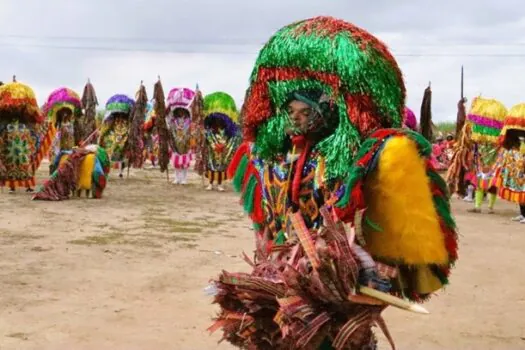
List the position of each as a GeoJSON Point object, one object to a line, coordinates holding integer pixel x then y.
{"type": "Point", "coordinates": [305, 297]}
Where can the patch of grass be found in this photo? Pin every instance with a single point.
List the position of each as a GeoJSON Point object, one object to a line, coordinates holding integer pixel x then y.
{"type": "Point", "coordinates": [174, 226]}
{"type": "Point", "coordinates": [18, 335]}
{"type": "Point", "coordinates": [40, 249]}
{"type": "Point", "coordinates": [181, 239]}
{"type": "Point", "coordinates": [204, 218]}
{"type": "Point", "coordinates": [103, 225]}
{"type": "Point", "coordinates": [446, 127]}
{"type": "Point", "coordinates": [189, 245]}
{"type": "Point", "coordinates": [12, 238]}
{"type": "Point", "coordinates": [106, 239]}
{"type": "Point", "coordinates": [142, 242]}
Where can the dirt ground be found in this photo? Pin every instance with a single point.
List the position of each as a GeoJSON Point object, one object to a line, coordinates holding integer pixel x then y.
{"type": "Point", "coordinates": [128, 272]}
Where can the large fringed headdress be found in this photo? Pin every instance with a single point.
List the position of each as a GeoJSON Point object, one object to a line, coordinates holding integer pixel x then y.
{"type": "Point", "coordinates": [486, 117]}
{"type": "Point", "coordinates": [221, 106]}
{"type": "Point", "coordinates": [118, 104]}
{"type": "Point", "coordinates": [353, 68]}
{"type": "Point", "coordinates": [19, 99]}
{"type": "Point", "coordinates": [180, 98]}
{"type": "Point", "coordinates": [515, 120]}
{"type": "Point", "coordinates": [62, 98]}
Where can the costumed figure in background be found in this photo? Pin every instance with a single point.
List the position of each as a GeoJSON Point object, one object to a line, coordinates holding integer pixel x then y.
{"type": "Point", "coordinates": [23, 141]}
{"type": "Point", "coordinates": [222, 136]}
{"type": "Point", "coordinates": [449, 148]}
{"type": "Point", "coordinates": [330, 188]}
{"type": "Point", "coordinates": [410, 121]}
{"type": "Point", "coordinates": [438, 153]}
{"type": "Point", "coordinates": [114, 131]}
{"type": "Point", "coordinates": [62, 107]}
{"type": "Point", "coordinates": [79, 169]}
{"type": "Point", "coordinates": [180, 130]}
{"type": "Point", "coordinates": [509, 175]}
{"type": "Point", "coordinates": [151, 138]}
{"type": "Point", "coordinates": [483, 126]}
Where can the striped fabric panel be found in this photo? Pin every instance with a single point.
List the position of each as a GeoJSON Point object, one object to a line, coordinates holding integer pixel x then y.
{"type": "Point", "coordinates": [356, 327]}
{"type": "Point", "coordinates": [305, 238]}
{"type": "Point", "coordinates": [311, 328]}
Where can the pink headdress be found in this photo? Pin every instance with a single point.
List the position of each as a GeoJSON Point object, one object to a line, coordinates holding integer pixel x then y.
{"type": "Point", "coordinates": [180, 98]}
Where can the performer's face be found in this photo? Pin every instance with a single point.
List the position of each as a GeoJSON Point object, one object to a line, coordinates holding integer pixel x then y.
{"type": "Point", "coordinates": [300, 114]}
{"type": "Point", "coordinates": [180, 113]}
{"type": "Point", "coordinates": [65, 114]}
{"type": "Point", "coordinates": [217, 126]}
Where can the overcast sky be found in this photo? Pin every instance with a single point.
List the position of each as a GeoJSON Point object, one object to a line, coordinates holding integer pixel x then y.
{"type": "Point", "coordinates": [117, 43]}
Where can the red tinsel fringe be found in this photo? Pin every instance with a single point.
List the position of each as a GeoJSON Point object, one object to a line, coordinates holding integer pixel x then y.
{"type": "Point", "coordinates": [515, 121]}
{"type": "Point", "coordinates": [243, 150]}
{"type": "Point", "coordinates": [258, 214]}
{"type": "Point", "coordinates": [258, 105]}
{"type": "Point", "coordinates": [362, 114]}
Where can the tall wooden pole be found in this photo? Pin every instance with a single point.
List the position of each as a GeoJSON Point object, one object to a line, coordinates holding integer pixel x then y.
{"type": "Point", "coordinates": [460, 122]}
{"type": "Point", "coordinates": [462, 96]}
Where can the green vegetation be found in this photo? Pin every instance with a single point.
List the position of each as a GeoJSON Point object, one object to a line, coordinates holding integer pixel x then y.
{"type": "Point", "coordinates": [446, 127]}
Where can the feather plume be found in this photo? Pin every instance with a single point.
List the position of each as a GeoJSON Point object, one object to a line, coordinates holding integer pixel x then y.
{"type": "Point", "coordinates": [162, 127]}
{"type": "Point", "coordinates": [461, 117]}
{"type": "Point", "coordinates": [135, 144]}
{"type": "Point", "coordinates": [89, 103]}
{"type": "Point", "coordinates": [426, 115]}
{"type": "Point", "coordinates": [201, 151]}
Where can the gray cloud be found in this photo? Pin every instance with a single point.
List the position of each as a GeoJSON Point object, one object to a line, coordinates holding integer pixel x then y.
{"type": "Point", "coordinates": [62, 42]}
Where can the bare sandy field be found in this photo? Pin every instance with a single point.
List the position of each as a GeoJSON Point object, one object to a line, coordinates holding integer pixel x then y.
{"type": "Point", "coordinates": [128, 272]}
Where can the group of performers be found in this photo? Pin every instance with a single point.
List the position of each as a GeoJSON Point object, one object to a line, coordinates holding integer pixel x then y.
{"type": "Point", "coordinates": [329, 170]}
{"type": "Point", "coordinates": [81, 158]}
{"type": "Point", "coordinates": [489, 157]}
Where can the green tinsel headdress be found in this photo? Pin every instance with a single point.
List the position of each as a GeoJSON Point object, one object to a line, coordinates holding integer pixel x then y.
{"type": "Point", "coordinates": [352, 67]}
{"type": "Point", "coordinates": [221, 106]}
{"type": "Point", "coordinates": [220, 102]}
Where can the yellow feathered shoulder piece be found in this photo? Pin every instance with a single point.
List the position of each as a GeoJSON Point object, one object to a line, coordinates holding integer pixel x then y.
{"type": "Point", "coordinates": [399, 201]}
{"type": "Point", "coordinates": [407, 220]}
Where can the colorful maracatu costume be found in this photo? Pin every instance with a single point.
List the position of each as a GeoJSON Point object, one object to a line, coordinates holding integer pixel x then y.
{"type": "Point", "coordinates": [62, 107]}
{"type": "Point", "coordinates": [23, 141]}
{"type": "Point", "coordinates": [151, 138]}
{"type": "Point", "coordinates": [180, 129]}
{"type": "Point", "coordinates": [510, 166]}
{"type": "Point", "coordinates": [486, 118]}
{"type": "Point", "coordinates": [221, 135]}
{"type": "Point", "coordinates": [115, 127]}
{"type": "Point", "coordinates": [331, 191]}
